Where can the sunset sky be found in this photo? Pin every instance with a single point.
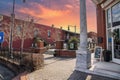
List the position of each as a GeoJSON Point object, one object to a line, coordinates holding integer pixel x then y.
{"type": "Point", "coordinates": [48, 12]}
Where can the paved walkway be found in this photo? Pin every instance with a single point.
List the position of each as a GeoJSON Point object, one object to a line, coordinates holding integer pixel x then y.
{"type": "Point", "coordinates": [54, 69]}
{"type": "Point", "coordinates": [62, 69]}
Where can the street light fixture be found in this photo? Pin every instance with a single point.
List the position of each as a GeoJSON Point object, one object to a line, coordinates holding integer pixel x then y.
{"type": "Point", "coordinates": [12, 26]}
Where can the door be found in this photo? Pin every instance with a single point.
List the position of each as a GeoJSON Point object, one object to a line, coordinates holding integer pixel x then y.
{"type": "Point", "coordinates": [116, 44]}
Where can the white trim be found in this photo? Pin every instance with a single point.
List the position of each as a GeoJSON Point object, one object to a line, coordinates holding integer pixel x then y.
{"type": "Point", "coordinates": [115, 2]}
{"type": "Point", "coordinates": [106, 3]}
{"type": "Point", "coordinates": [106, 28]}
{"type": "Point", "coordinates": [111, 28]}
{"type": "Point", "coordinates": [114, 59]}
{"type": "Point", "coordinates": [112, 45]}
{"type": "Point", "coordinates": [97, 1]}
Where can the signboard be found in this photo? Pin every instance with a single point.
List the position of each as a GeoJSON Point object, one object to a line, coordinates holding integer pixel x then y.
{"type": "Point", "coordinates": [1, 37]}
{"type": "Point", "coordinates": [71, 45]}
{"type": "Point", "coordinates": [98, 52]}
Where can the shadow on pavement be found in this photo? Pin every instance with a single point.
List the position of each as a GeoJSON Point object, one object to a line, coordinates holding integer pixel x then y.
{"type": "Point", "coordinates": [77, 75]}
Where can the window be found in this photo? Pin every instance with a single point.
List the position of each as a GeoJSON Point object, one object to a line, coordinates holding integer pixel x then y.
{"type": "Point", "coordinates": [35, 33]}
{"type": "Point", "coordinates": [49, 33]}
{"type": "Point", "coordinates": [19, 30]}
{"type": "Point", "coordinates": [116, 14]}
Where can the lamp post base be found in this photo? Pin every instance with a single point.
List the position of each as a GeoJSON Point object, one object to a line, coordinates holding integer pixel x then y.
{"type": "Point", "coordinates": [83, 60]}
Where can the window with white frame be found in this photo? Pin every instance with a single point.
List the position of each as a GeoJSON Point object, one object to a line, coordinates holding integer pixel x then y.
{"type": "Point", "coordinates": [116, 14]}
{"type": "Point", "coordinates": [35, 33]}
{"type": "Point", "coordinates": [19, 29]}
{"type": "Point", "coordinates": [49, 34]}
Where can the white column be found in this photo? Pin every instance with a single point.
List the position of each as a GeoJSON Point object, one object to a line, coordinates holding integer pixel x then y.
{"type": "Point", "coordinates": [83, 57]}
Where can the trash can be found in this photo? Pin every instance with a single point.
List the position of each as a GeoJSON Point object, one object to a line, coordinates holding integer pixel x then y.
{"type": "Point", "coordinates": [107, 54]}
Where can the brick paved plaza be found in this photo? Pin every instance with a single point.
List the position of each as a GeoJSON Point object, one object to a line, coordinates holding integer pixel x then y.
{"type": "Point", "coordinates": [55, 69]}
{"type": "Point", "coordinates": [61, 69]}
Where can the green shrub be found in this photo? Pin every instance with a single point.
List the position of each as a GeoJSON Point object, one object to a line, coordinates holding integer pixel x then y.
{"type": "Point", "coordinates": [72, 43]}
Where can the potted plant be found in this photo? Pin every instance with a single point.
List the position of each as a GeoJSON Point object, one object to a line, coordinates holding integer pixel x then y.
{"type": "Point", "coordinates": [72, 43]}
{"type": "Point", "coordinates": [37, 44]}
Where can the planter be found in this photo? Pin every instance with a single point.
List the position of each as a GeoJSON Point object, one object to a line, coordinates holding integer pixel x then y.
{"type": "Point", "coordinates": [72, 46]}
{"type": "Point", "coordinates": [107, 55]}
{"type": "Point", "coordinates": [65, 53]}
{"type": "Point", "coordinates": [59, 44]}
{"type": "Point", "coordinates": [40, 44]}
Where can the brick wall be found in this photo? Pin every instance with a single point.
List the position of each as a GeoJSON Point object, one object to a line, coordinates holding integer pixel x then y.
{"type": "Point", "coordinates": [65, 53]}
{"type": "Point", "coordinates": [28, 29]}
{"type": "Point", "coordinates": [101, 28]}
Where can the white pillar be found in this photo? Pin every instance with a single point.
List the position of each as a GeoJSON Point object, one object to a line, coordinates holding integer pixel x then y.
{"type": "Point", "coordinates": [83, 57]}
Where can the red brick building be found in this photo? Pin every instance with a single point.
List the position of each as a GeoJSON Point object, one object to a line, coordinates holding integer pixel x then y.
{"type": "Point", "coordinates": [27, 30]}
{"type": "Point", "coordinates": [108, 26]}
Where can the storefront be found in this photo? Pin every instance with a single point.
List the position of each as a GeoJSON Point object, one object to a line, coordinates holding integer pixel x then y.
{"type": "Point", "coordinates": [108, 24]}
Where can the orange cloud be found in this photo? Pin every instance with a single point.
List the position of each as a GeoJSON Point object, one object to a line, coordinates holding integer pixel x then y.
{"type": "Point", "coordinates": [45, 13]}
{"type": "Point", "coordinates": [67, 16]}
{"type": "Point", "coordinates": [69, 6]}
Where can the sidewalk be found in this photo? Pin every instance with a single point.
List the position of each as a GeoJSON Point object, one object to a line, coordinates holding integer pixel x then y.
{"type": "Point", "coordinates": [63, 69]}
{"type": "Point", "coordinates": [107, 69]}
{"type": "Point", "coordinates": [78, 75]}
{"type": "Point", "coordinates": [55, 69]}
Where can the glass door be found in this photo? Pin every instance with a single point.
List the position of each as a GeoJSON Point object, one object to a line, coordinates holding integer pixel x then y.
{"type": "Point", "coordinates": [116, 44]}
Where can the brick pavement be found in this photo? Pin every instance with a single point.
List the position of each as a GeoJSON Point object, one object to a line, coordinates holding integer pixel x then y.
{"type": "Point", "coordinates": [55, 69]}
{"type": "Point", "coordinates": [61, 69]}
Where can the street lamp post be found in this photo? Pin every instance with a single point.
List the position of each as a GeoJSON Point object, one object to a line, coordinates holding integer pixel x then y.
{"type": "Point", "coordinates": [83, 57]}
{"type": "Point", "coordinates": [11, 28]}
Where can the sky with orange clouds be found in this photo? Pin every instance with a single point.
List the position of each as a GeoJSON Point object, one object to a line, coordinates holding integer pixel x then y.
{"type": "Point", "coordinates": [61, 13]}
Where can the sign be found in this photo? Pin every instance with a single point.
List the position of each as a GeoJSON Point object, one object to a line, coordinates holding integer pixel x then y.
{"type": "Point", "coordinates": [1, 37]}
{"type": "Point", "coordinates": [109, 40]}
{"type": "Point", "coordinates": [98, 52]}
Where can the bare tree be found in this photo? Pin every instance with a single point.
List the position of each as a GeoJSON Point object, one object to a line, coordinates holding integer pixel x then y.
{"type": "Point", "coordinates": [26, 30]}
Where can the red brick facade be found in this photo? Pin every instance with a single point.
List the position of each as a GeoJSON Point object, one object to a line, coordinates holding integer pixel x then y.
{"type": "Point", "coordinates": [27, 32]}
{"type": "Point", "coordinates": [101, 28]}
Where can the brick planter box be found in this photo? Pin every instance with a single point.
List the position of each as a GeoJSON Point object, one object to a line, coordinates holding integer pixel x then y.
{"type": "Point", "coordinates": [65, 53]}
{"type": "Point", "coordinates": [39, 50]}
{"type": "Point", "coordinates": [59, 44]}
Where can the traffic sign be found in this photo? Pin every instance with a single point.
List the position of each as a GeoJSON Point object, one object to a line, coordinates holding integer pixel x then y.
{"type": "Point", "coordinates": [1, 37]}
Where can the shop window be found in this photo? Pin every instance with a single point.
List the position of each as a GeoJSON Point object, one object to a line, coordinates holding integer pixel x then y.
{"type": "Point", "coordinates": [116, 14]}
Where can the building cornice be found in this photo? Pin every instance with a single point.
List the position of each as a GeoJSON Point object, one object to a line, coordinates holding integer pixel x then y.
{"type": "Point", "coordinates": [97, 1]}
{"type": "Point", "coordinates": [106, 3]}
